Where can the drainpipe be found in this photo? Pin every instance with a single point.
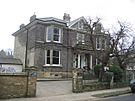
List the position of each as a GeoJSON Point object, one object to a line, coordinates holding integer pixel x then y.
{"type": "Point", "coordinates": [26, 48]}
{"type": "Point", "coordinates": [26, 68]}
{"type": "Point", "coordinates": [67, 50]}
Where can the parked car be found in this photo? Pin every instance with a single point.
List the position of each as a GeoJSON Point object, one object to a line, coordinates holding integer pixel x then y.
{"type": "Point", "coordinates": [132, 85]}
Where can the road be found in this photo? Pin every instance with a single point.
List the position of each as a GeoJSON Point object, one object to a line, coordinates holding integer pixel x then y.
{"type": "Point", "coordinates": [128, 97]}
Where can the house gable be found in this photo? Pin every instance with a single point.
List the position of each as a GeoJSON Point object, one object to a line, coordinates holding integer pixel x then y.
{"type": "Point", "coordinates": [77, 23]}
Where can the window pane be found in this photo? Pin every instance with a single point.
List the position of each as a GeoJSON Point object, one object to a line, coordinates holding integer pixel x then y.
{"type": "Point", "coordinates": [56, 34]}
{"type": "Point", "coordinates": [56, 53]}
{"type": "Point", "coordinates": [55, 57]}
{"type": "Point", "coordinates": [49, 33]}
{"type": "Point", "coordinates": [55, 60]}
{"type": "Point", "coordinates": [48, 60]}
{"type": "Point", "coordinates": [48, 52]}
{"type": "Point", "coordinates": [48, 57]}
{"type": "Point", "coordinates": [80, 38]}
{"type": "Point", "coordinates": [56, 31]}
{"type": "Point", "coordinates": [98, 46]}
{"type": "Point", "coordinates": [56, 37]}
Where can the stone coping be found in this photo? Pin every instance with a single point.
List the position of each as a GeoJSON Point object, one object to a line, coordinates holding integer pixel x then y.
{"type": "Point", "coordinates": [14, 74]}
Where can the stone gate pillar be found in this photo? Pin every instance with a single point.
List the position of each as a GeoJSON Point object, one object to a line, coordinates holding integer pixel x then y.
{"type": "Point", "coordinates": [31, 81]}
{"type": "Point", "coordinates": [77, 81]}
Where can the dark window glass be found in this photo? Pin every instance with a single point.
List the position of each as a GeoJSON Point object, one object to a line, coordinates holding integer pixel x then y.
{"type": "Point", "coordinates": [56, 31]}
{"type": "Point", "coordinates": [56, 34]}
{"type": "Point", "coordinates": [48, 60]}
{"type": "Point", "coordinates": [55, 57]}
{"type": "Point", "coordinates": [48, 56]}
{"type": "Point", "coordinates": [56, 37]}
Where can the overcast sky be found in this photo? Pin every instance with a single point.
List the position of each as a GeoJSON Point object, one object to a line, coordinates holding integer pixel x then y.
{"type": "Point", "coordinates": [15, 12]}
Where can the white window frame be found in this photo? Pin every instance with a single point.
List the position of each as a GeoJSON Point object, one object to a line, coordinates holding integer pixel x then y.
{"type": "Point", "coordinates": [98, 62]}
{"type": "Point", "coordinates": [47, 34]}
{"type": "Point", "coordinates": [98, 43]}
{"type": "Point", "coordinates": [60, 31]}
{"type": "Point", "coordinates": [52, 36]}
{"type": "Point", "coordinates": [51, 58]}
{"type": "Point", "coordinates": [82, 38]}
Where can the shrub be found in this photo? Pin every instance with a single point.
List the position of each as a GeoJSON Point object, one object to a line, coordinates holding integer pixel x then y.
{"type": "Point", "coordinates": [107, 77]}
{"type": "Point", "coordinates": [118, 73]}
{"type": "Point", "coordinates": [97, 69]}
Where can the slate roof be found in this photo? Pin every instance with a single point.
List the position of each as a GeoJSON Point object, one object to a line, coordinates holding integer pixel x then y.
{"type": "Point", "coordinates": [52, 19]}
{"type": "Point", "coordinates": [10, 61]}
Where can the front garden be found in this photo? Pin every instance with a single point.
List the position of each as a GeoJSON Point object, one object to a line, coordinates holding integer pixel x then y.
{"type": "Point", "coordinates": [113, 77]}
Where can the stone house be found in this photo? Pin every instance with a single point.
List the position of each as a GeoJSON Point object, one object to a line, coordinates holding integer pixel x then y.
{"type": "Point", "coordinates": [56, 45]}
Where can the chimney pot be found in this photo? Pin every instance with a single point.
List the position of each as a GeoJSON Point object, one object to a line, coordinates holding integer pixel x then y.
{"type": "Point", "coordinates": [32, 18]}
{"type": "Point", "coordinates": [22, 25]}
{"type": "Point", "coordinates": [66, 17]}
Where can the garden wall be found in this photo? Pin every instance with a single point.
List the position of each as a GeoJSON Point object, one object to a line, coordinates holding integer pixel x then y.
{"type": "Point", "coordinates": [14, 85]}
{"type": "Point", "coordinates": [80, 85]}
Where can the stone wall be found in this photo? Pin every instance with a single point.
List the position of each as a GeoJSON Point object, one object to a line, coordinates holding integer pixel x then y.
{"type": "Point", "coordinates": [14, 85]}
{"type": "Point", "coordinates": [80, 85]}
{"type": "Point", "coordinates": [53, 75]}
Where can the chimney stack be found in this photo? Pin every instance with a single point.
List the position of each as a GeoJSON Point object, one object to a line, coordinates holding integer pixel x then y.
{"type": "Point", "coordinates": [66, 17]}
{"type": "Point", "coordinates": [22, 25]}
{"type": "Point", "coordinates": [32, 18]}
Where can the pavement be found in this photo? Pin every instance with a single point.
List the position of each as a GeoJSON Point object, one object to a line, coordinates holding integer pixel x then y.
{"type": "Point", "coordinates": [85, 96]}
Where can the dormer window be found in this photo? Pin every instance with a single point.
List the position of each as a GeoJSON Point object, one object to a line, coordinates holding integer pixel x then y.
{"type": "Point", "coordinates": [53, 34]}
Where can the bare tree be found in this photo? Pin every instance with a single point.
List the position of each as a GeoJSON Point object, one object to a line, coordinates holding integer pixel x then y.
{"type": "Point", "coordinates": [94, 27]}
{"type": "Point", "coordinates": [121, 44]}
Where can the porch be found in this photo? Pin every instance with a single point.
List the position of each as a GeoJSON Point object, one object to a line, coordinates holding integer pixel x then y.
{"type": "Point", "coordinates": [82, 60]}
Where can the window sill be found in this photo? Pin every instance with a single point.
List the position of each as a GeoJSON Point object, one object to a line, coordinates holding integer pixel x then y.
{"type": "Point", "coordinates": [57, 66]}
{"type": "Point", "coordinates": [54, 41]}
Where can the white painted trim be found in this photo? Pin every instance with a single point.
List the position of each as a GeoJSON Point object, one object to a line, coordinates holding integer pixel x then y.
{"type": "Point", "coordinates": [91, 61]}
{"type": "Point", "coordinates": [79, 57]}
{"type": "Point", "coordinates": [47, 34]}
{"type": "Point", "coordinates": [99, 44]}
{"type": "Point", "coordinates": [51, 58]}
{"type": "Point", "coordinates": [82, 38]}
{"type": "Point", "coordinates": [60, 33]}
